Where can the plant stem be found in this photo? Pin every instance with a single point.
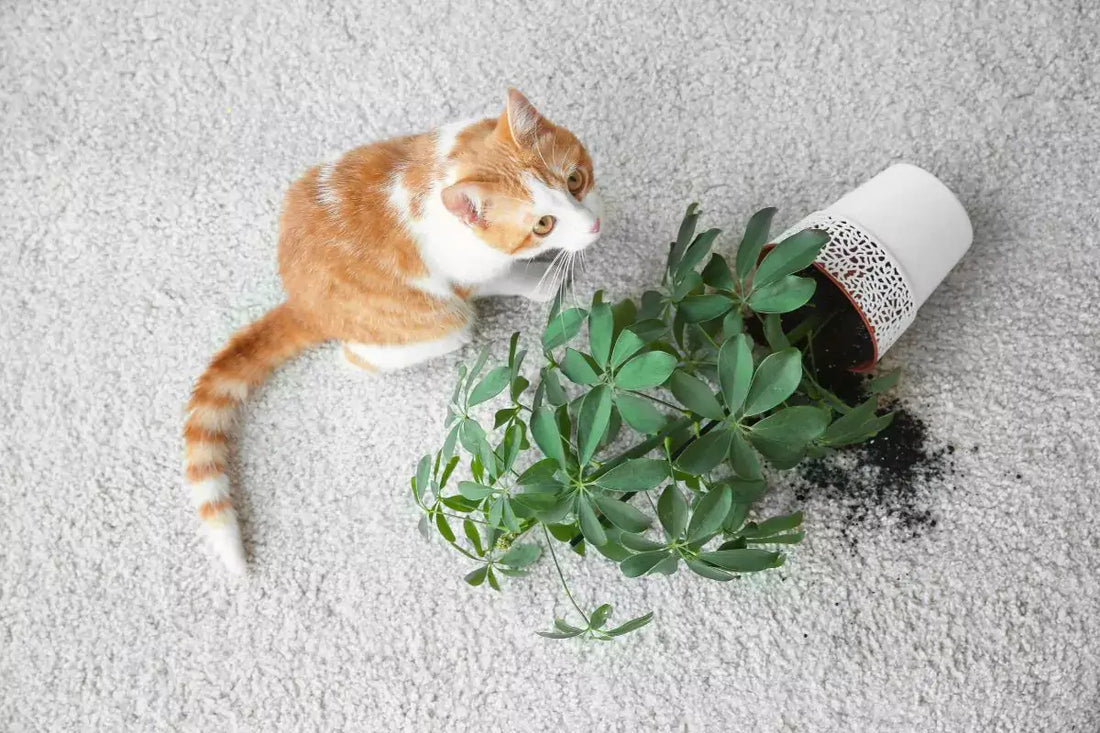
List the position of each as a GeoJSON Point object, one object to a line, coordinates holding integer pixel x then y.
{"type": "Point", "coordinates": [659, 401]}
{"type": "Point", "coordinates": [561, 575]}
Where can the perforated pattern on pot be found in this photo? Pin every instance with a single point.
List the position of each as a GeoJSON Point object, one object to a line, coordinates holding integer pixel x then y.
{"type": "Point", "coordinates": [864, 268]}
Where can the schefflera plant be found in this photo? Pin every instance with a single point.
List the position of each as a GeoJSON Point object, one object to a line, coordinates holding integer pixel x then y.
{"type": "Point", "coordinates": [708, 407]}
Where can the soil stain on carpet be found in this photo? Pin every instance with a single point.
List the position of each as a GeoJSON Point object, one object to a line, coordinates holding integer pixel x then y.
{"type": "Point", "coordinates": [884, 483]}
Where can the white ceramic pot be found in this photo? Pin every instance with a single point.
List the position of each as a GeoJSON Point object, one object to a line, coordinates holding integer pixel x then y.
{"type": "Point", "coordinates": [892, 241]}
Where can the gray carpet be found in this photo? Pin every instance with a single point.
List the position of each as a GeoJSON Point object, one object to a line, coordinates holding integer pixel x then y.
{"type": "Point", "coordinates": [145, 151]}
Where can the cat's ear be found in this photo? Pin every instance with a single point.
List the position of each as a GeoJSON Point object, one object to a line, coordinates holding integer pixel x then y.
{"type": "Point", "coordinates": [520, 122]}
{"type": "Point", "coordinates": [467, 200]}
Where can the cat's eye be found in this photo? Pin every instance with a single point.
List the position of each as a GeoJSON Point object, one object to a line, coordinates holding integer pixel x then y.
{"type": "Point", "coordinates": [544, 226]}
{"type": "Point", "coordinates": [575, 181]}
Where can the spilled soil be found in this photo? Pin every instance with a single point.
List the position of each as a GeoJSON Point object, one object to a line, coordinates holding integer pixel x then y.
{"type": "Point", "coordinates": [885, 483]}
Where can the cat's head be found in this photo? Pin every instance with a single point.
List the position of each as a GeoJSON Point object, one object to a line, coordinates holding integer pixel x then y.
{"type": "Point", "coordinates": [524, 185]}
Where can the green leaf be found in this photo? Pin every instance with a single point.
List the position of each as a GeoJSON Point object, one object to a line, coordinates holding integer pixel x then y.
{"type": "Point", "coordinates": [709, 513]}
{"type": "Point", "coordinates": [705, 452]}
{"type": "Point", "coordinates": [555, 395]}
{"type": "Point", "coordinates": [743, 458]}
{"type": "Point", "coordinates": [735, 370]}
{"type": "Point", "coordinates": [452, 437]}
{"type": "Point", "coordinates": [684, 236]}
{"type": "Point", "coordinates": [796, 252]}
{"type": "Point", "coordinates": [599, 617]}
{"type": "Point", "coordinates": [639, 413]}
{"type": "Point", "coordinates": [884, 383]}
{"type": "Point", "coordinates": [493, 583]}
{"type": "Point", "coordinates": [773, 332]}
{"type": "Point", "coordinates": [595, 413]}
{"type": "Point", "coordinates": [852, 425]}
{"type": "Point", "coordinates": [500, 417]}
{"type": "Point", "coordinates": [667, 566]}
{"type": "Point", "coordinates": [623, 314]}
{"type": "Point", "coordinates": [556, 512]}
{"type": "Point", "coordinates": [448, 470]}
{"type": "Point", "coordinates": [756, 234]}
{"type": "Point", "coordinates": [792, 426]}
{"type": "Point", "coordinates": [561, 625]}
{"type": "Point", "coordinates": [520, 556]}
{"type": "Point", "coordinates": [477, 577]}
{"type": "Point", "coordinates": [544, 429]}
{"type": "Point", "coordinates": [474, 491]}
{"type": "Point", "coordinates": [474, 536]}
{"type": "Point", "coordinates": [422, 481]}
{"type": "Point", "coordinates": [696, 395]}
{"type": "Point", "coordinates": [784, 295]}
{"type": "Point", "coordinates": [519, 384]}
{"type": "Point", "coordinates": [735, 518]}
{"type": "Point", "coordinates": [540, 473]}
{"type": "Point", "coordinates": [472, 437]}
{"type": "Point", "coordinates": [776, 378]}
{"type": "Point", "coordinates": [640, 564]}
{"type": "Point", "coordinates": [648, 370]}
{"type": "Point", "coordinates": [511, 522]}
{"type": "Point", "coordinates": [743, 561]}
{"type": "Point", "coordinates": [652, 305]}
{"type": "Point", "coordinates": [632, 625]}
{"type": "Point", "coordinates": [672, 511]}
{"type": "Point", "coordinates": [621, 514]}
{"type": "Point", "coordinates": [692, 283]}
{"type": "Point", "coordinates": [443, 527]}
{"type": "Point", "coordinates": [697, 251]}
{"type": "Point", "coordinates": [563, 327]}
{"type": "Point", "coordinates": [560, 634]}
{"type": "Point", "coordinates": [733, 324]}
{"type": "Point", "coordinates": [780, 455]}
{"type": "Point", "coordinates": [636, 474]}
{"type": "Point", "coordinates": [650, 330]}
{"type": "Point", "coordinates": [601, 325]}
{"type": "Point", "coordinates": [496, 513]}
{"type": "Point", "coordinates": [493, 384]}
{"type": "Point", "coordinates": [459, 503]}
{"type": "Point", "coordinates": [708, 571]}
{"type": "Point", "coordinates": [639, 543]}
{"type": "Point", "coordinates": [510, 446]}
{"type": "Point", "coordinates": [778, 539]}
{"type": "Point", "coordinates": [590, 526]}
{"type": "Point", "coordinates": [627, 345]}
{"type": "Point", "coordinates": [698, 308]}
{"type": "Point", "coordinates": [717, 274]}
{"type": "Point", "coordinates": [746, 491]}
{"type": "Point", "coordinates": [482, 357]}
{"type": "Point", "coordinates": [773, 526]}
{"type": "Point", "coordinates": [613, 551]}
{"type": "Point", "coordinates": [575, 366]}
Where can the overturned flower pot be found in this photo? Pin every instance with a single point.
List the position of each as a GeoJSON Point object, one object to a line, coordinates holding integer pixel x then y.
{"type": "Point", "coordinates": [892, 241]}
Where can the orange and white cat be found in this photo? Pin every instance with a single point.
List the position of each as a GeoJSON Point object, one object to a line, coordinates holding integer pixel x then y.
{"type": "Point", "coordinates": [383, 250]}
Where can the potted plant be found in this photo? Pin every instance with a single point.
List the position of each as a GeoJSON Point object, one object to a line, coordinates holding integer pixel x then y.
{"type": "Point", "coordinates": [646, 438]}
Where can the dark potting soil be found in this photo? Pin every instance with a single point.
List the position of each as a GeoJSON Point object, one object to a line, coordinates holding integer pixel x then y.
{"type": "Point", "coordinates": [885, 481]}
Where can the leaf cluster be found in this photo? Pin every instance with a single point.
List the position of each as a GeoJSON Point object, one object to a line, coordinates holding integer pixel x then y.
{"type": "Point", "coordinates": [670, 398]}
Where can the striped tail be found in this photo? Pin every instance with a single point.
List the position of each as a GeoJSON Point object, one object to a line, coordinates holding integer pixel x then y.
{"type": "Point", "coordinates": [245, 362]}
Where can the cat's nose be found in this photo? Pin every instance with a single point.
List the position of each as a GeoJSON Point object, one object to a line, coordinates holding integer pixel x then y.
{"type": "Point", "coordinates": [595, 228]}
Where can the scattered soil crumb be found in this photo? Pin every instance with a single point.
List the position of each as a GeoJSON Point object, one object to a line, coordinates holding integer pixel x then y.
{"type": "Point", "coordinates": [883, 483]}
